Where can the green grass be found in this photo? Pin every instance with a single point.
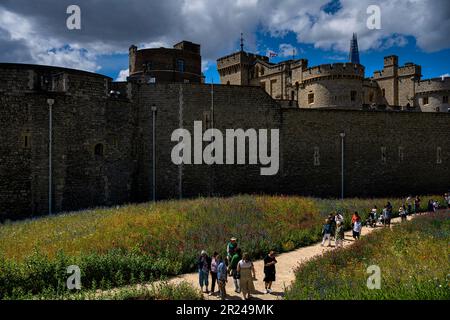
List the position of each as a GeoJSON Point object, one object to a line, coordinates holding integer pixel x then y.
{"type": "Point", "coordinates": [138, 243]}
{"type": "Point", "coordinates": [413, 259]}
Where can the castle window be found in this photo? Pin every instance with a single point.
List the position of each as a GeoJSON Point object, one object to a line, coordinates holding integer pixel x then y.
{"type": "Point", "coordinates": [228, 83]}
{"type": "Point", "coordinates": [439, 155]}
{"type": "Point", "coordinates": [316, 157]}
{"type": "Point", "coordinates": [353, 95]}
{"type": "Point", "coordinates": [292, 95]}
{"type": "Point", "coordinates": [383, 155]}
{"type": "Point", "coordinates": [26, 139]}
{"type": "Point", "coordinates": [98, 150]}
{"type": "Point", "coordinates": [383, 92]}
{"type": "Point", "coordinates": [272, 85]}
{"type": "Point", "coordinates": [445, 99]}
{"type": "Point", "coordinates": [180, 65]}
{"type": "Point", "coordinates": [425, 101]}
{"type": "Point", "coordinates": [263, 85]}
{"type": "Point", "coordinates": [262, 71]}
{"type": "Point", "coordinates": [311, 98]}
{"type": "Point", "coordinates": [371, 97]}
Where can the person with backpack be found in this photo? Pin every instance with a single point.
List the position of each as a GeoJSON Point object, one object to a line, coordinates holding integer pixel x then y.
{"type": "Point", "coordinates": [326, 232]}
{"type": "Point", "coordinates": [204, 265]}
{"type": "Point", "coordinates": [222, 276]}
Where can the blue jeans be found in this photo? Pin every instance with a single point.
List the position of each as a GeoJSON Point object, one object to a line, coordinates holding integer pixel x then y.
{"type": "Point", "coordinates": [203, 278]}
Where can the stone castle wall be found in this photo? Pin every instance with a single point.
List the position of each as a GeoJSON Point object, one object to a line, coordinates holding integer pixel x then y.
{"type": "Point", "coordinates": [386, 153]}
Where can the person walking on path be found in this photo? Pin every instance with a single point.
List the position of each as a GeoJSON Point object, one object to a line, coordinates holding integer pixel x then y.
{"type": "Point", "coordinates": [402, 213]}
{"type": "Point", "coordinates": [222, 276]}
{"type": "Point", "coordinates": [204, 265]}
{"type": "Point", "coordinates": [386, 217]}
{"type": "Point", "coordinates": [332, 218]}
{"type": "Point", "coordinates": [340, 234]}
{"type": "Point", "coordinates": [409, 210]}
{"type": "Point", "coordinates": [214, 265]}
{"type": "Point", "coordinates": [339, 218]}
{"type": "Point", "coordinates": [269, 271]}
{"type": "Point", "coordinates": [247, 275]}
{"type": "Point", "coordinates": [355, 217]}
{"type": "Point", "coordinates": [417, 205]}
{"type": "Point", "coordinates": [232, 246]}
{"type": "Point", "coordinates": [430, 207]}
{"type": "Point", "coordinates": [447, 200]}
{"type": "Point", "coordinates": [233, 270]}
{"type": "Point", "coordinates": [326, 232]}
{"type": "Point", "coordinates": [357, 227]}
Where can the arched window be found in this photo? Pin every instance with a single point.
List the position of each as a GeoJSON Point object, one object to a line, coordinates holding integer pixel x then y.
{"type": "Point", "coordinates": [98, 150]}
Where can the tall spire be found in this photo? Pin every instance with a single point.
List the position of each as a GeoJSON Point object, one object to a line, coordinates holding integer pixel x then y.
{"type": "Point", "coordinates": [242, 42]}
{"type": "Point", "coordinates": [354, 51]}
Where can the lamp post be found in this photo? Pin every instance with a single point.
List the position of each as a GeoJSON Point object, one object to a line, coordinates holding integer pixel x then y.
{"type": "Point", "coordinates": [154, 109]}
{"type": "Point", "coordinates": [342, 164]}
{"type": "Point", "coordinates": [50, 103]}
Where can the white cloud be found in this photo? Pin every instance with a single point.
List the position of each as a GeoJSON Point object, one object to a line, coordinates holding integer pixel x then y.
{"type": "Point", "coordinates": [215, 24]}
{"type": "Point", "coordinates": [42, 50]}
{"type": "Point", "coordinates": [288, 50]}
{"type": "Point", "coordinates": [123, 75]}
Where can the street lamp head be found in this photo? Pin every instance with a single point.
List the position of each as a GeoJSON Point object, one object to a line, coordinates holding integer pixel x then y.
{"type": "Point", "coordinates": [154, 108]}
{"type": "Point", "coordinates": [342, 134]}
{"type": "Point", "coordinates": [50, 102]}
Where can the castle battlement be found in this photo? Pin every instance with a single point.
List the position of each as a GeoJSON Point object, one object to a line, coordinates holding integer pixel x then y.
{"type": "Point", "coordinates": [15, 77]}
{"type": "Point", "coordinates": [410, 69]}
{"type": "Point", "coordinates": [238, 58]}
{"type": "Point", "coordinates": [433, 85]}
{"type": "Point", "coordinates": [335, 69]}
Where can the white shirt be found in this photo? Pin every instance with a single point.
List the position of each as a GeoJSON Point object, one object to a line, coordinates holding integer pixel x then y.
{"type": "Point", "coordinates": [357, 226]}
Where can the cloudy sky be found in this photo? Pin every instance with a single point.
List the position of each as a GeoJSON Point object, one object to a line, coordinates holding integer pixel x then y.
{"type": "Point", "coordinates": [34, 31]}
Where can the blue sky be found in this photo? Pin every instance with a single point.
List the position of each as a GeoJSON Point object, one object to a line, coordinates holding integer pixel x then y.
{"type": "Point", "coordinates": [433, 64]}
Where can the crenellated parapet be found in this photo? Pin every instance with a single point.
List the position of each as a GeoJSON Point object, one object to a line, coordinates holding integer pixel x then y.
{"type": "Point", "coordinates": [334, 71]}
{"type": "Point", "coordinates": [433, 85]}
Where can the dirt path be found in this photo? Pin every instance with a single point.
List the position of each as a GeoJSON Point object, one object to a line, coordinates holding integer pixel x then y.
{"type": "Point", "coordinates": [287, 263]}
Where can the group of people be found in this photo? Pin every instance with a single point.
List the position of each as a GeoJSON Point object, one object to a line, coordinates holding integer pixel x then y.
{"type": "Point", "coordinates": [238, 266]}
{"type": "Point", "coordinates": [333, 226]}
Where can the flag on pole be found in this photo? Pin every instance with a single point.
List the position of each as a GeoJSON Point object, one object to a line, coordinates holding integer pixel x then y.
{"type": "Point", "coordinates": [272, 54]}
